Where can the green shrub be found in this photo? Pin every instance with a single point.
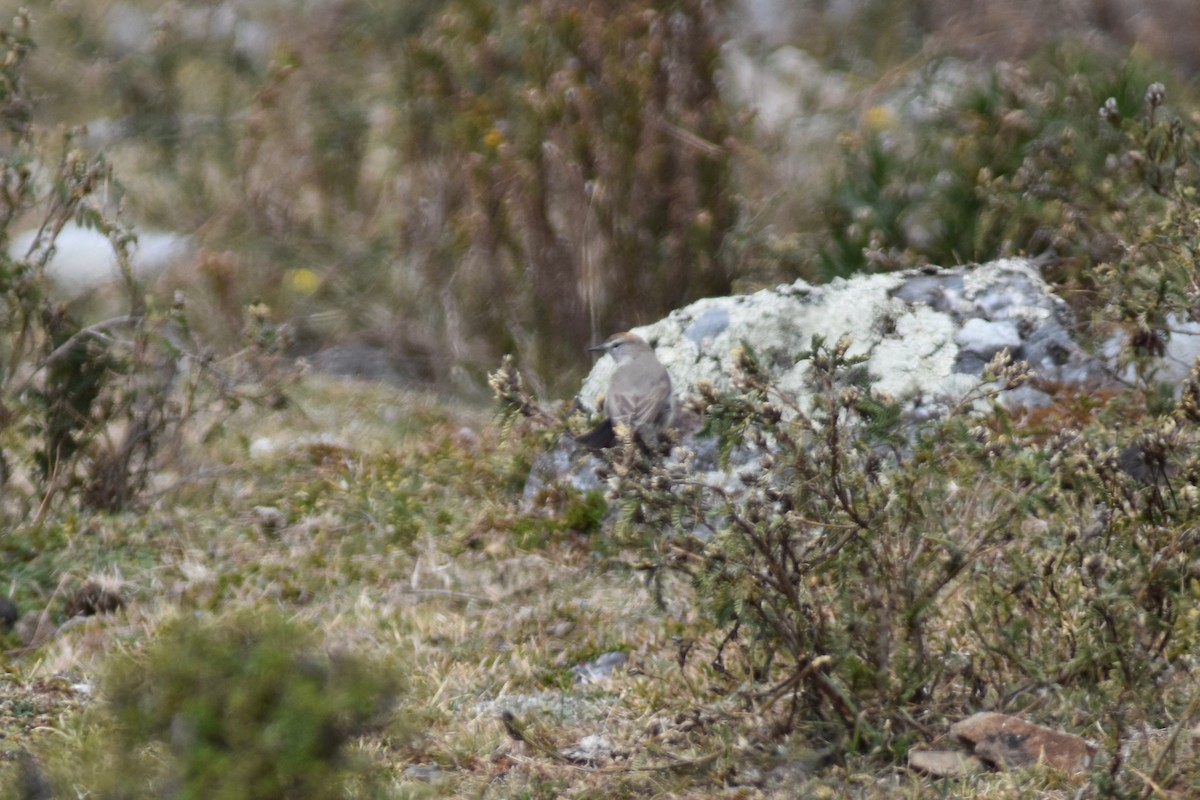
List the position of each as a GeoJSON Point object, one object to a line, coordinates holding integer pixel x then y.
{"type": "Point", "coordinates": [240, 707]}
{"type": "Point", "coordinates": [89, 410]}
{"type": "Point", "coordinates": [84, 406]}
{"type": "Point", "coordinates": [877, 577]}
{"type": "Point", "coordinates": [1074, 158]}
{"type": "Point", "coordinates": [1021, 165]}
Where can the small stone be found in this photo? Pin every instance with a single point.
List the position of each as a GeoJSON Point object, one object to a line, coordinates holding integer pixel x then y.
{"type": "Point", "coordinates": [422, 772]}
{"type": "Point", "coordinates": [600, 669]}
{"type": "Point", "coordinates": [561, 628]}
{"type": "Point", "coordinates": [467, 439]}
{"type": "Point", "coordinates": [1026, 397]}
{"type": "Point", "coordinates": [262, 448]}
{"type": "Point", "coordinates": [590, 750]}
{"type": "Point", "coordinates": [792, 773]}
{"type": "Point", "coordinates": [748, 775]}
{"type": "Point", "coordinates": [1007, 742]}
{"type": "Point", "coordinates": [944, 763]}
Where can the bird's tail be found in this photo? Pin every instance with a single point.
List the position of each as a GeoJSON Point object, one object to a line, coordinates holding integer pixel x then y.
{"type": "Point", "coordinates": [599, 437]}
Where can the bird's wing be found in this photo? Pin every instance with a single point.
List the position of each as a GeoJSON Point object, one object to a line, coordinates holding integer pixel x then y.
{"type": "Point", "coordinates": [599, 437]}
{"type": "Point", "coordinates": [635, 407]}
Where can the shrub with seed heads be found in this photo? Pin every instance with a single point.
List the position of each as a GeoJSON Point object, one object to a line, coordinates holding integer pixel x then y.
{"type": "Point", "coordinates": [854, 550]}
{"type": "Point", "coordinates": [88, 412]}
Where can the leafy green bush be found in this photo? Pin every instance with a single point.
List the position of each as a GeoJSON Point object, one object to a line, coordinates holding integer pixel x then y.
{"type": "Point", "coordinates": [873, 577]}
{"type": "Point", "coordinates": [66, 389]}
{"type": "Point", "coordinates": [239, 707]}
{"type": "Point", "coordinates": [1021, 165]}
{"type": "Point", "coordinates": [1074, 158]}
{"type": "Point", "coordinates": [86, 410]}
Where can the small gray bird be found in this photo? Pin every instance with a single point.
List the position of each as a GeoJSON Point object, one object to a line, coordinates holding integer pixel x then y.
{"type": "Point", "coordinates": [639, 394]}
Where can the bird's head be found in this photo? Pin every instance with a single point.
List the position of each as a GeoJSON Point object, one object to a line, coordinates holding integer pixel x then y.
{"type": "Point", "coordinates": [622, 346]}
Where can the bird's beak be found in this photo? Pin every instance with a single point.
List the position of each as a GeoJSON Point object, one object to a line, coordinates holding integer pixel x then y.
{"type": "Point", "coordinates": [598, 348]}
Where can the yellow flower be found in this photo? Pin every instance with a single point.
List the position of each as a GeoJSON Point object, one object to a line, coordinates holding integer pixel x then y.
{"type": "Point", "coordinates": [879, 118]}
{"type": "Point", "coordinates": [493, 138]}
{"type": "Point", "coordinates": [302, 280]}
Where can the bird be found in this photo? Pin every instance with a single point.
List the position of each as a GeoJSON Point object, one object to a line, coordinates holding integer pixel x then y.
{"type": "Point", "coordinates": [639, 393]}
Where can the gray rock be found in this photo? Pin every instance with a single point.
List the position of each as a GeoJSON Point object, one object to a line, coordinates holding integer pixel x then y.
{"type": "Point", "coordinates": [128, 29]}
{"type": "Point", "coordinates": [562, 706]}
{"type": "Point", "coordinates": [423, 772]}
{"type": "Point", "coordinates": [9, 614]}
{"type": "Point", "coordinates": [591, 750]}
{"type": "Point", "coordinates": [83, 258]}
{"type": "Point", "coordinates": [926, 335]}
{"type": "Point", "coordinates": [363, 362]}
{"type": "Point", "coordinates": [565, 460]}
{"type": "Point", "coordinates": [1183, 348]}
{"type": "Point", "coordinates": [986, 338]}
{"type": "Point", "coordinates": [269, 518]}
{"type": "Point", "coordinates": [600, 669]}
{"type": "Point", "coordinates": [223, 22]}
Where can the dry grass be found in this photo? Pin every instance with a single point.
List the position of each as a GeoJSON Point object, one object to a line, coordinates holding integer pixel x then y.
{"type": "Point", "coordinates": [394, 539]}
{"type": "Point", "coordinates": [387, 549]}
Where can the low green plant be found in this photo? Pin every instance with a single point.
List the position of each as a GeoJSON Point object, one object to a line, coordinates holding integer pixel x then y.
{"type": "Point", "coordinates": [241, 706]}
{"type": "Point", "coordinates": [1148, 289]}
{"type": "Point", "coordinates": [88, 410]}
{"type": "Point", "coordinates": [61, 382]}
{"type": "Point", "coordinates": [1021, 165]}
{"type": "Point", "coordinates": [872, 576]}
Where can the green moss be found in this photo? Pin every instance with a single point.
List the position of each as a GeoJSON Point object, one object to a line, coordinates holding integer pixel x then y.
{"type": "Point", "coordinates": [242, 706]}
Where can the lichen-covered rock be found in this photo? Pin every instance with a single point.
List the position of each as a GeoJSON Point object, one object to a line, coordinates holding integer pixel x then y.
{"type": "Point", "coordinates": [927, 333]}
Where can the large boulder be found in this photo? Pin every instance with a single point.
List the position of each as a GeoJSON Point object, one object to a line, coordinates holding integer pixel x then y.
{"type": "Point", "coordinates": [927, 333]}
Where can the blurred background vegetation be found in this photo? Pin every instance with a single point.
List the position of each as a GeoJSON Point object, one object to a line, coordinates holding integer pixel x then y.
{"type": "Point", "coordinates": [424, 186]}
{"type": "Point", "coordinates": [445, 182]}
